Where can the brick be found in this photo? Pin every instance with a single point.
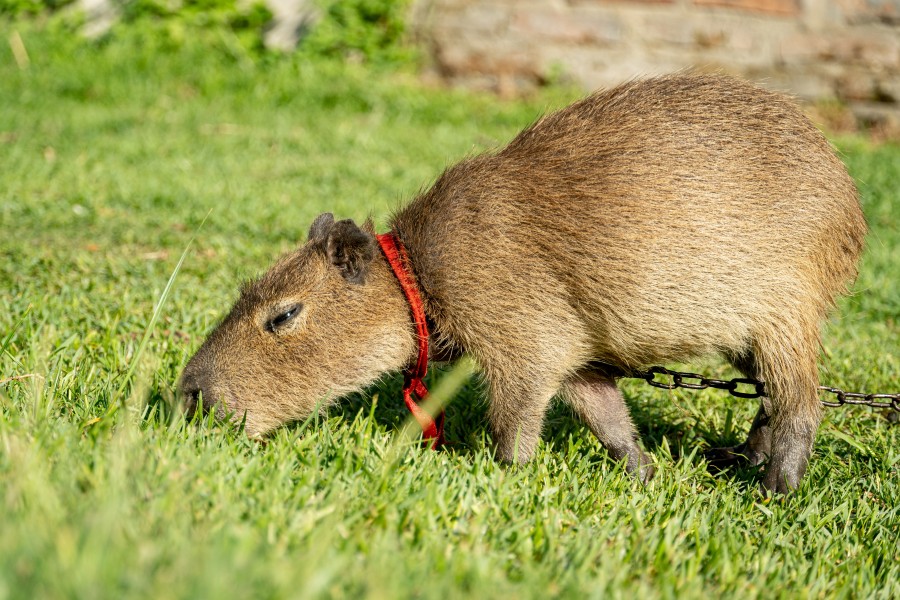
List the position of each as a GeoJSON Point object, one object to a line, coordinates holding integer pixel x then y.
{"type": "Point", "coordinates": [804, 48]}
{"type": "Point", "coordinates": [868, 11]}
{"type": "Point", "coordinates": [668, 29]}
{"type": "Point", "coordinates": [619, 2]}
{"type": "Point", "coordinates": [748, 40]}
{"type": "Point", "coordinates": [774, 7]}
{"type": "Point", "coordinates": [485, 17]}
{"type": "Point", "coordinates": [484, 57]}
{"type": "Point", "coordinates": [566, 26]}
{"type": "Point", "coordinates": [876, 51]}
{"type": "Point", "coordinates": [881, 52]}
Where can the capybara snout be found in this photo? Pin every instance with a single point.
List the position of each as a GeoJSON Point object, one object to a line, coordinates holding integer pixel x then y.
{"type": "Point", "coordinates": [661, 220]}
{"type": "Point", "coordinates": [197, 389]}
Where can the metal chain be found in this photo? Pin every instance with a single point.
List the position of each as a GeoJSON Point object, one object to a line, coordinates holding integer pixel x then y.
{"type": "Point", "coordinates": [738, 387]}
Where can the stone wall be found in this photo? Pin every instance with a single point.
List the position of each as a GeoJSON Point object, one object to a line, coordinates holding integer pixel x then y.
{"type": "Point", "coordinates": [817, 49]}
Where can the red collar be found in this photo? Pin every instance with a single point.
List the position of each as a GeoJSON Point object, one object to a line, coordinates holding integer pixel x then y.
{"type": "Point", "coordinates": [395, 253]}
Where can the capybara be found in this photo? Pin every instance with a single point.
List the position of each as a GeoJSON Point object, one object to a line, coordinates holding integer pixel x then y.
{"type": "Point", "coordinates": [664, 219]}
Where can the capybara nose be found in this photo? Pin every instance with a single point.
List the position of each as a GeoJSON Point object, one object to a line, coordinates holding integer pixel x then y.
{"type": "Point", "coordinates": [189, 394]}
{"type": "Point", "coordinates": [195, 393]}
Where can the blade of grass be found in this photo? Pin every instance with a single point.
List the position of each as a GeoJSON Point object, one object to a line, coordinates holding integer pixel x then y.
{"type": "Point", "coordinates": [121, 394]}
{"type": "Point", "coordinates": [7, 341]}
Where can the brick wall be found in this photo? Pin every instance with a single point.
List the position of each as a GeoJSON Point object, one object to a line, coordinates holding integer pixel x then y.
{"type": "Point", "coordinates": [843, 49]}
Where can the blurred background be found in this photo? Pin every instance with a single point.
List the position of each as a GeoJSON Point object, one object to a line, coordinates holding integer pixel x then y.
{"type": "Point", "coordinates": [840, 56]}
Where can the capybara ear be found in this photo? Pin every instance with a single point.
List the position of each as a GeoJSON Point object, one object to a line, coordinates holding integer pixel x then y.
{"type": "Point", "coordinates": [350, 249]}
{"type": "Point", "coordinates": [320, 227]}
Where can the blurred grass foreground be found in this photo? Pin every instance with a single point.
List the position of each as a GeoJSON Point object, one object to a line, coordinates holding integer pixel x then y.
{"type": "Point", "coordinates": [112, 153]}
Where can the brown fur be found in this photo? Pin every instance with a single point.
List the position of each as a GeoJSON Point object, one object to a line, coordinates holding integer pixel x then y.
{"type": "Point", "coordinates": [661, 220]}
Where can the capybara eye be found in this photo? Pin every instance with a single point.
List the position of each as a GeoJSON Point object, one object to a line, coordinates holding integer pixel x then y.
{"type": "Point", "coordinates": [284, 317]}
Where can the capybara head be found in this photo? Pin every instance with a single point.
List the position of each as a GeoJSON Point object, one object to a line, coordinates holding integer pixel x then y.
{"type": "Point", "coordinates": [325, 320]}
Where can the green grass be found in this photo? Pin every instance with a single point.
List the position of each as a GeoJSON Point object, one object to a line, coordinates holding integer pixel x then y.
{"type": "Point", "coordinates": [111, 156]}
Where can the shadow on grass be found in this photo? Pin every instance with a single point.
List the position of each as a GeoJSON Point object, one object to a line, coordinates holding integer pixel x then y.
{"type": "Point", "coordinates": [467, 428]}
{"type": "Point", "coordinates": [466, 425]}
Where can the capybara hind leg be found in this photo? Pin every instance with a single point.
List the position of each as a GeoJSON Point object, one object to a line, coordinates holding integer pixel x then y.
{"type": "Point", "coordinates": [791, 449]}
{"type": "Point", "coordinates": [758, 446]}
{"type": "Point", "coordinates": [599, 403]}
{"type": "Point", "coordinates": [788, 365]}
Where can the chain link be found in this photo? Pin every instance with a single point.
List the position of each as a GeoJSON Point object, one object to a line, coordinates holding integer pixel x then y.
{"type": "Point", "coordinates": [744, 387]}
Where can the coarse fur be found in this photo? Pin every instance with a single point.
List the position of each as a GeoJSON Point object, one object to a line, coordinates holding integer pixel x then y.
{"type": "Point", "coordinates": [661, 220]}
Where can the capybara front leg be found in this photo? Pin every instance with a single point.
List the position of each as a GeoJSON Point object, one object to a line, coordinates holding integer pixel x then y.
{"type": "Point", "coordinates": [517, 416]}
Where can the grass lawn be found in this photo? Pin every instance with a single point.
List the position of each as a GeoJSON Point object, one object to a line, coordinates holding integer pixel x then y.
{"type": "Point", "coordinates": [111, 156]}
